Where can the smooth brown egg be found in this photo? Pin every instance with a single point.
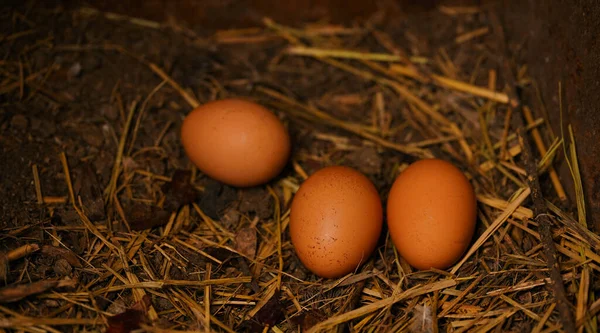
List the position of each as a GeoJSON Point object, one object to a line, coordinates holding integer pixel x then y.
{"type": "Point", "coordinates": [237, 142]}
{"type": "Point", "coordinates": [335, 221]}
{"type": "Point", "coordinates": [431, 214]}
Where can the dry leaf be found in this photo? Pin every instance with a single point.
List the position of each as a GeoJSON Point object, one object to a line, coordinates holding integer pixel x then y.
{"type": "Point", "coordinates": [141, 217]}
{"type": "Point", "coordinates": [59, 252]}
{"type": "Point", "coordinates": [245, 242]}
{"type": "Point", "coordinates": [130, 319]}
{"type": "Point", "coordinates": [272, 312]}
{"type": "Point", "coordinates": [309, 319]}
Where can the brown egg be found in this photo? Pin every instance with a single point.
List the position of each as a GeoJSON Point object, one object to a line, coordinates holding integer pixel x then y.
{"type": "Point", "coordinates": [431, 213]}
{"type": "Point", "coordinates": [237, 142]}
{"type": "Point", "coordinates": [335, 221]}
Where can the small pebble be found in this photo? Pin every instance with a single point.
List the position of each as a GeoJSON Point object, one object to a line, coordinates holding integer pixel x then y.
{"type": "Point", "coordinates": [74, 70]}
{"type": "Point", "coordinates": [109, 111]}
{"type": "Point", "coordinates": [93, 135]}
{"type": "Point", "coordinates": [230, 218]}
{"type": "Point", "coordinates": [162, 304]}
{"type": "Point", "coordinates": [48, 129]}
{"type": "Point", "coordinates": [116, 307]}
{"type": "Point", "coordinates": [19, 122]}
{"type": "Point", "coordinates": [51, 303]}
{"type": "Point", "coordinates": [62, 267]}
{"type": "Point", "coordinates": [36, 123]}
{"type": "Point", "coordinates": [92, 62]}
{"type": "Point", "coordinates": [230, 271]}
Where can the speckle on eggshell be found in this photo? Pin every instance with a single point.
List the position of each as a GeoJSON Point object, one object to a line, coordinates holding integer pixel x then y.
{"type": "Point", "coordinates": [335, 221]}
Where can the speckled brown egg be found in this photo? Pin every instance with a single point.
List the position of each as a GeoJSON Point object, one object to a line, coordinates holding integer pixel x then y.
{"type": "Point", "coordinates": [335, 221]}
{"type": "Point", "coordinates": [237, 142]}
{"type": "Point", "coordinates": [431, 214]}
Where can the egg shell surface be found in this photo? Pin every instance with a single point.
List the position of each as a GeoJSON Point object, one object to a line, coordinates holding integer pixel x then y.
{"type": "Point", "coordinates": [431, 214]}
{"type": "Point", "coordinates": [335, 221]}
{"type": "Point", "coordinates": [237, 142]}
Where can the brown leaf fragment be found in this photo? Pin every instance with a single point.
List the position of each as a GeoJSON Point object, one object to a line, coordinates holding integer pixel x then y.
{"type": "Point", "coordinates": [143, 305]}
{"type": "Point", "coordinates": [17, 292]}
{"type": "Point", "coordinates": [219, 253]}
{"type": "Point", "coordinates": [268, 316]}
{"type": "Point", "coordinates": [245, 242]}
{"type": "Point", "coordinates": [309, 319]}
{"type": "Point", "coordinates": [179, 191]}
{"type": "Point", "coordinates": [272, 312]}
{"type": "Point", "coordinates": [250, 326]}
{"type": "Point", "coordinates": [59, 252]}
{"type": "Point", "coordinates": [130, 319]}
{"type": "Point", "coordinates": [141, 217]}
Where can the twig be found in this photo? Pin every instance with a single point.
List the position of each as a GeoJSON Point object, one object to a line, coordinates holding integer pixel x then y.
{"type": "Point", "coordinates": [537, 137]}
{"type": "Point", "coordinates": [539, 207]}
{"type": "Point", "coordinates": [65, 164]}
{"type": "Point", "coordinates": [89, 11]}
{"type": "Point", "coordinates": [38, 186]}
{"type": "Point", "coordinates": [18, 292]}
{"type": "Point", "coordinates": [8, 88]}
{"type": "Point", "coordinates": [22, 251]}
{"type": "Point", "coordinates": [471, 34]}
{"type": "Point", "coordinates": [192, 101]}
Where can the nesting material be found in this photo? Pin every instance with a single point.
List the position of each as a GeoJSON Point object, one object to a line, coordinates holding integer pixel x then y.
{"type": "Point", "coordinates": [171, 250]}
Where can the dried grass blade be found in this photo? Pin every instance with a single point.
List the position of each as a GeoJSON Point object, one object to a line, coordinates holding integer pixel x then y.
{"type": "Point", "coordinates": [493, 227]}
{"type": "Point", "coordinates": [407, 294]}
{"type": "Point", "coordinates": [343, 54]}
{"type": "Point", "coordinates": [312, 113]}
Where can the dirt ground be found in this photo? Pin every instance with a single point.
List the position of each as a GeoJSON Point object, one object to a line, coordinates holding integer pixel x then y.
{"type": "Point", "coordinates": [82, 109]}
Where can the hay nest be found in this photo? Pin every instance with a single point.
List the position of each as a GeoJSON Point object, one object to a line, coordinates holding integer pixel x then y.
{"type": "Point", "coordinates": [128, 235]}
